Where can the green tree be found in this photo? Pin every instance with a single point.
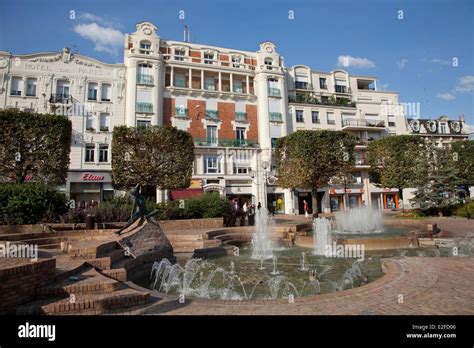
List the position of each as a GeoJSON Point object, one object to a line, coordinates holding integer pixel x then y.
{"type": "Point", "coordinates": [310, 158]}
{"type": "Point", "coordinates": [152, 156]}
{"type": "Point", "coordinates": [34, 145]}
{"type": "Point", "coordinates": [439, 184]}
{"type": "Point", "coordinates": [462, 153]}
{"type": "Point", "coordinates": [394, 161]}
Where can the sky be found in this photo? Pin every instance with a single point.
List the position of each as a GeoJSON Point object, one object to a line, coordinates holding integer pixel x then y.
{"type": "Point", "coordinates": [423, 49]}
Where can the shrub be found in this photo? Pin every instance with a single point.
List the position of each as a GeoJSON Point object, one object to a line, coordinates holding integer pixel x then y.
{"type": "Point", "coordinates": [466, 210]}
{"type": "Point", "coordinates": [30, 203]}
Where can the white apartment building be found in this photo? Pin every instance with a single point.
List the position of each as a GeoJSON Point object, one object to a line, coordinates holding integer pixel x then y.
{"type": "Point", "coordinates": [90, 93]}
{"type": "Point", "coordinates": [341, 101]}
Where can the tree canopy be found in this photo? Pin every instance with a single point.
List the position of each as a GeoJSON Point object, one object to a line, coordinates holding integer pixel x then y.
{"type": "Point", "coordinates": [152, 156]}
{"type": "Point", "coordinates": [310, 158]}
{"type": "Point", "coordinates": [394, 161]}
{"type": "Point", "coordinates": [34, 146]}
{"type": "Point", "coordinates": [462, 153]}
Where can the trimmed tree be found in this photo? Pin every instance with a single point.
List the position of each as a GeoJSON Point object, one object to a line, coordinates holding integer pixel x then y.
{"type": "Point", "coordinates": [462, 154]}
{"type": "Point", "coordinates": [439, 187]}
{"type": "Point", "coordinates": [310, 158]}
{"type": "Point", "coordinates": [34, 146]}
{"type": "Point", "coordinates": [395, 161]}
{"type": "Point", "coordinates": [152, 156]}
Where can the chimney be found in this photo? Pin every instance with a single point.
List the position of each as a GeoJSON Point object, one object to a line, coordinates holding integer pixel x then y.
{"type": "Point", "coordinates": [186, 34]}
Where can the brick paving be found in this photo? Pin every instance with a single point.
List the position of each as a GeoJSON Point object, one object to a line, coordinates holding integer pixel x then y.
{"type": "Point", "coordinates": [429, 285]}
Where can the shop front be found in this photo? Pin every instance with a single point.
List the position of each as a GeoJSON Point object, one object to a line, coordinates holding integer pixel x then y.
{"type": "Point", "coordinates": [340, 199]}
{"type": "Point", "coordinates": [390, 200]}
{"type": "Point", "coordinates": [89, 188]}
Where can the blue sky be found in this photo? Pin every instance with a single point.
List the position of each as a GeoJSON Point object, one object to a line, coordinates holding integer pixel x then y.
{"type": "Point", "coordinates": [412, 55]}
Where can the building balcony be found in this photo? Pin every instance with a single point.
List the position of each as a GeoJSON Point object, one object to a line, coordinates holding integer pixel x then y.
{"type": "Point", "coordinates": [60, 98]}
{"type": "Point", "coordinates": [308, 99]}
{"type": "Point", "coordinates": [357, 124]}
{"type": "Point", "coordinates": [180, 112]}
{"type": "Point", "coordinates": [361, 162]}
{"type": "Point", "coordinates": [144, 107]}
{"type": "Point", "coordinates": [214, 142]}
{"type": "Point", "coordinates": [342, 89]}
{"type": "Point", "coordinates": [275, 117]}
{"type": "Point", "coordinates": [145, 79]}
{"type": "Point", "coordinates": [303, 86]}
{"type": "Point", "coordinates": [212, 115]}
{"type": "Point", "coordinates": [241, 116]}
{"type": "Point", "coordinates": [274, 92]}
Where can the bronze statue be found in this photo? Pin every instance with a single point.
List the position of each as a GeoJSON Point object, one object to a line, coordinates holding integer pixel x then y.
{"type": "Point", "coordinates": [139, 210]}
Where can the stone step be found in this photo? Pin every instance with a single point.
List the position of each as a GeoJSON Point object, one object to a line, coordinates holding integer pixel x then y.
{"type": "Point", "coordinates": [186, 237]}
{"type": "Point", "coordinates": [99, 303]}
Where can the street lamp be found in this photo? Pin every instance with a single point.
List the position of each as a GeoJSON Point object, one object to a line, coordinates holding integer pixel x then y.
{"type": "Point", "coordinates": [267, 179]}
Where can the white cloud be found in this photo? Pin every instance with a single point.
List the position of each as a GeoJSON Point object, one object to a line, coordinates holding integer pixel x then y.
{"type": "Point", "coordinates": [402, 63]}
{"type": "Point", "coordinates": [348, 61]}
{"type": "Point", "coordinates": [465, 84]}
{"type": "Point", "coordinates": [446, 96]}
{"type": "Point", "coordinates": [105, 39]}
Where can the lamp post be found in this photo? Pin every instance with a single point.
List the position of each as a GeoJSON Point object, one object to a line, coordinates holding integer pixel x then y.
{"type": "Point", "coordinates": [267, 179]}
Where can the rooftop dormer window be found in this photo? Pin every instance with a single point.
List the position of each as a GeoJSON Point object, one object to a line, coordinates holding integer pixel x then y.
{"type": "Point", "coordinates": [179, 54]}
{"type": "Point", "coordinates": [208, 58]}
{"type": "Point", "coordinates": [268, 63]}
{"type": "Point", "coordinates": [145, 47]}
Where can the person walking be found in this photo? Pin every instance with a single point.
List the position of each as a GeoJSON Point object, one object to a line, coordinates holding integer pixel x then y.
{"type": "Point", "coordinates": [305, 207]}
{"type": "Point", "coordinates": [259, 205]}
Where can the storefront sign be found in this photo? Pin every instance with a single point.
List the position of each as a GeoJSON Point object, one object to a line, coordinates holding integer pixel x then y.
{"type": "Point", "coordinates": [92, 177]}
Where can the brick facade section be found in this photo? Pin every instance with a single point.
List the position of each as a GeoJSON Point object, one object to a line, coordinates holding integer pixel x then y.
{"type": "Point", "coordinates": [191, 224]}
{"type": "Point", "coordinates": [226, 115]}
{"type": "Point", "coordinates": [251, 110]}
{"type": "Point", "coordinates": [168, 107]}
{"type": "Point", "coordinates": [196, 115]}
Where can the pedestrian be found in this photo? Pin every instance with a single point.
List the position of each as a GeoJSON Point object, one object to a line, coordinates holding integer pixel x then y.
{"type": "Point", "coordinates": [305, 207]}
{"type": "Point", "coordinates": [259, 205]}
{"type": "Point", "coordinates": [245, 207]}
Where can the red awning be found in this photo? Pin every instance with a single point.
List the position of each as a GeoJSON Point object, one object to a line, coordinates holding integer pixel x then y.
{"type": "Point", "coordinates": [186, 193]}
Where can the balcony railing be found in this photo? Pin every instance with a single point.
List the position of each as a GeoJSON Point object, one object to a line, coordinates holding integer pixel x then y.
{"type": "Point", "coordinates": [225, 142]}
{"type": "Point", "coordinates": [342, 89]}
{"type": "Point", "coordinates": [361, 162]}
{"type": "Point", "coordinates": [275, 117]}
{"type": "Point", "coordinates": [303, 85]}
{"type": "Point", "coordinates": [362, 123]}
{"type": "Point", "coordinates": [308, 99]}
{"type": "Point", "coordinates": [180, 112]}
{"type": "Point", "coordinates": [212, 115]}
{"type": "Point", "coordinates": [60, 98]}
{"type": "Point", "coordinates": [144, 107]}
{"type": "Point", "coordinates": [241, 116]}
{"type": "Point", "coordinates": [145, 79]}
{"type": "Point", "coordinates": [274, 92]}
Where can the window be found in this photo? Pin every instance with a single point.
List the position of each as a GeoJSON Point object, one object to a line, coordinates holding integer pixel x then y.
{"type": "Point", "coordinates": [268, 63]}
{"type": "Point", "coordinates": [340, 89]}
{"type": "Point", "coordinates": [241, 170]}
{"type": "Point", "coordinates": [322, 83]}
{"type": "Point", "coordinates": [212, 165]}
{"type": "Point", "coordinates": [240, 135]}
{"type": "Point", "coordinates": [273, 142]}
{"type": "Point", "coordinates": [179, 54]}
{"type": "Point", "coordinates": [16, 86]}
{"type": "Point", "coordinates": [104, 122]}
{"type": "Point", "coordinates": [208, 58]}
{"type": "Point", "coordinates": [391, 120]}
{"type": "Point", "coordinates": [443, 127]}
{"type": "Point", "coordinates": [103, 153]}
{"type": "Point", "coordinates": [330, 117]}
{"type": "Point", "coordinates": [315, 116]}
{"type": "Point", "coordinates": [90, 123]}
{"type": "Point", "coordinates": [105, 92]}
{"type": "Point", "coordinates": [299, 116]}
{"type": "Point", "coordinates": [145, 74]}
{"type": "Point", "coordinates": [62, 89]}
{"type": "Point", "coordinates": [92, 91]}
{"type": "Point", "coordinates": [143, 124]}
{"type": "Point", "coordinates": [237, 86]}
{"type": "Point", "coordinates": [211, 135]}
{"type": "Point", "coordinates": [179, 80]}
{"type": "Point", "coordinates": [209, 84]}
{"type": "Point", "coordinates": [90, 150]}
{"type": "Point", "coordinates": [145, 47]}
{"type": "Point", "coordinates": [236, 61]}
{"type": "Point", "coordinates": [31, 87]}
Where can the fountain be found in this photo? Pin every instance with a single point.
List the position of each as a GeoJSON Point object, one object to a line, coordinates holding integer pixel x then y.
{"type": "Point", "coordinates": [262, 246]}
{"type": "Point", "coordinates": [359, 220]}
{"type": "Point", "coordinates": [275, 271]}
{"type": "Point", "coordinates": [303, 263]}
{"type": "Point", "coordinates": [322, 234]}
